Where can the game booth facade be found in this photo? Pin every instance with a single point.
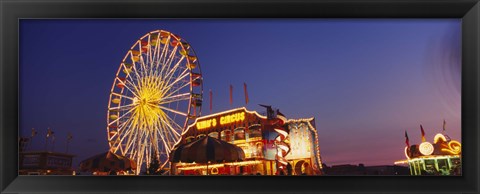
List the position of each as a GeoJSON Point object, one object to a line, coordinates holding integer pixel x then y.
{"type": "Point", "coordinates": [242, 142]}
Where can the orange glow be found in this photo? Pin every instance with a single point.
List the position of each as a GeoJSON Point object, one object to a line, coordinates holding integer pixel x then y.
{"type": "Point", "coordinates": [406, 153]}
{"type": "Point", "coordinates": [454, 147]}
{"type": "Point", "coordinates": [439, 136]}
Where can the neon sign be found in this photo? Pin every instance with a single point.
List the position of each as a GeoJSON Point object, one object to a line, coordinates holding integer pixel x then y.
{"type": "Point", "coordinates": [224, 120]}
{"type": "Point", "coordinates": [235, 117]}
{"type": "Point", "coordinates": [426, 148]}
{"type": "Point", "coordinates": [207, 123]}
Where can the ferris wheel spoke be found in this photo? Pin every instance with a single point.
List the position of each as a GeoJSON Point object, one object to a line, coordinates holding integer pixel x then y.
{"type": "Point", "coordinates": [121, 138]}
{"type": "Point", "coordinates": [123, 130]}
{"type": "Point", "coordinates": [132, 91]}
{"type": "Point", "coordinates": [163, 55]}
{"type": "Point", "coordinates": [134, 86]}
{"type": "Point", "coordinates": [131, 79]}
{"type": "Point", "coordinates": [167, 129]}
{"type": "Point", "coordinates": [171, 71]}
{"type": "Point", "coordinates": [123, 96]}
{"type": "Point", "coordinates": [174, 91]}
{"type": "Point", "coordinates": [124, 107]}
{"type": "Point", "coordinates": [173, 111]}
{"type": "Point", "coordinates": [130, 145]}
{"type": "Point", "coordinates": [123, 126]}
{"type": "Point", "coordinates": [140, 59]}
{"type": "Point", "coordinates": [117, 119]}
{"type": "Point", "coordinates": [135, 70]}
{"type": "Point", "coordinates": [133, 142]}
{"type": "Point", "coordinates": [169, 60]}
{"type": "Point", "coordinates": [175, 98]}
{"type": "Point", "coordinates": [171, 74]}
{"type": "Point", "coordinates": [162, 127]}
{"type": "Point", "coordinates": [154, 138]}
{"type": "Point", "coordinates": [174, 129]}
{"type": "Point", "coordinates": [181, 77]}
{"type": "Point", "coordinates": [144, 67]}
{"type": "Point", "coordinates": [157, 55]}
{"type": "Point", "coordinates": [125, 85]}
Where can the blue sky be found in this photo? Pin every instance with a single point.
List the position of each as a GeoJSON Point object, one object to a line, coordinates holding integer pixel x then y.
{"type": "Point", "coordinates": [365, 81]}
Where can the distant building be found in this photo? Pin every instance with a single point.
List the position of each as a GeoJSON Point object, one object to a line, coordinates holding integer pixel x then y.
{"type": "Point", "coordinates": [45, 163]}
{"type": "Point", "coordinates": [350, 169]}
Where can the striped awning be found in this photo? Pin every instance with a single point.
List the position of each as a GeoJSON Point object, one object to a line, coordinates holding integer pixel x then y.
{"type": "Point", "coordinates": [106, 162]}
{"type": "Point", "coordinates": [207, 149]}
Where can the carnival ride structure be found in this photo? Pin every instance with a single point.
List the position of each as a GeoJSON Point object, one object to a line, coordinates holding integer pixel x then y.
{"type": "Point", "coordinates": [157, 91]}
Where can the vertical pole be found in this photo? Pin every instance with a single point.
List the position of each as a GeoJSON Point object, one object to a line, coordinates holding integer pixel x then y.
{"type": "Point", "coordinates": [46, 144]}
{"type": "Point", "coordinates": [211, 106]}
{"type": "Point", "coordinates": [231, 95]}
{"type": "Point", "coordinates": [67, 147]}
{"type": "Point", "coordinates": [53, 143]}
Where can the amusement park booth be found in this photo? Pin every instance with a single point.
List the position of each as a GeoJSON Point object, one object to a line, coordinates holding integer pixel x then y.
{"type": "Point", "coordinates": [255, 145]}
{"type": "Point", "coordinates": [443, 157]}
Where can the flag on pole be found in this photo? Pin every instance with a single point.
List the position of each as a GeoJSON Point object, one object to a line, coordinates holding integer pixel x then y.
{"type": "Point", "coordinates": [34, 132]}
{"type": "Point", "coordinates": [231, 94]}
{"type": "Point", "coordinates": [246, 93]}
{"type": "Point", "coordinates": [49, 132]}
{"type": "Point", "coordinates": [444, 125]}
{"type": "Point", "coordinates": [406, 139]}
{"type": "Point", "coordinates": [210, 94]}
{"type": "Point", "coordinates": [69, 137]}
{"type": "Point", "coordinates": [423, 133]}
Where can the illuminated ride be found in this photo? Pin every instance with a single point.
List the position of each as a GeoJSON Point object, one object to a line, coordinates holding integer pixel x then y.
{"type": "Point", "coordinates": [156, 93]}
{"type": "Point", "coordinates": [442, 157]}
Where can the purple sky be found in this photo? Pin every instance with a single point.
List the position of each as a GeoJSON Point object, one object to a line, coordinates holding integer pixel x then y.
{"type": "Point", "coordinates": [365, 81]}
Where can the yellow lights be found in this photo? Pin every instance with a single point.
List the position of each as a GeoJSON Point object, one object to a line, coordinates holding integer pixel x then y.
{"type": "Point", "coordinates": [454, 147]}
{"type": "Point", "coordinates": [439, 136]}
{"type": "Point", "coordinates": [406, 152]}
{"type": "Point", "coordinates": [426, 148]}
{"type": "Point", "coordinates": [214, 171]}
{"type": "Point", "coordinates": [227, 119]}
{"type": "Point", "coordinates": [147, 113]}
{"type": "Point", "coordinates": [184, 166]}
{"type": "Point", "coordinates": [300, 142]}
{"type": "Point", "coordinates": [401, 162]}
{"type": "Point", "coordinates": [235, 117]}
{"type": "Point", "coordinates": [206, 123]}
{"type": "Point", "coordinates": [433, 157]}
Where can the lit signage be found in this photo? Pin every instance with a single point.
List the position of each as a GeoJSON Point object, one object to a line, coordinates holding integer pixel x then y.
{"type": "Point", "coordinates": [232, 118]}
{"type": "Point", "coordinates": [207, 123]}
{"type": "Point", "coordinates": [224, 120]}
{"type": "Point", "coordinates": [426, 148]}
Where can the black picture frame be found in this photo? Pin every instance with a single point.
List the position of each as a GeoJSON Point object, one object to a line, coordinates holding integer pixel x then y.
{"type": "Point", "coordinates": [11, 11]}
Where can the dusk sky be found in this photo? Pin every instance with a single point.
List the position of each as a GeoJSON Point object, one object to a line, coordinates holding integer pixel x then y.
{"type": "Point", "coordinates": [365, 81]}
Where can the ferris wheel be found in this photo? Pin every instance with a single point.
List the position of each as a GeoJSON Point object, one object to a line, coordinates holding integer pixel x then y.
{"type": "Point", "coordinates": [156, 93]}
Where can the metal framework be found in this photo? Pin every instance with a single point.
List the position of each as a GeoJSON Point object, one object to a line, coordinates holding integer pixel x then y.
{"type": "Point", "coordinates": [156, 93]}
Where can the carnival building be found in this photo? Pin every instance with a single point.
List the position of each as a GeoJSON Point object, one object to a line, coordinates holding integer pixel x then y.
{"type": "Point", "coordinates": [242, 142]}
{"type": "Point", "coordinates": [442, 157]}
